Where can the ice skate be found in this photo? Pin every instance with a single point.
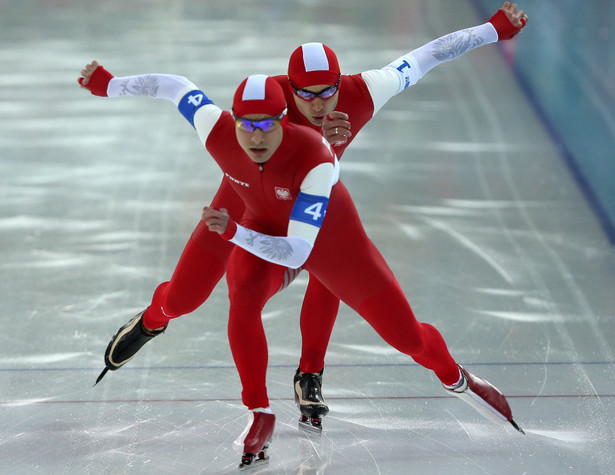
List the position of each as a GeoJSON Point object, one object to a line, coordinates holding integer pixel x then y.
{"type": "Point", "coordinates": [254, 441]}
{"type": "Point", "coordinates": [125, 344]}
{"type": "Point", "coordinates": [485, 398]}
{"type": "Point", "coordinates": [309, 399]}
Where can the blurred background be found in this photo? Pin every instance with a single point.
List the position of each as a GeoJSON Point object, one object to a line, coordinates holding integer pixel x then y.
{"type": "Point", "coordinates": [487, 186]}
{"type": "Point", "coordinates": [563, 65]}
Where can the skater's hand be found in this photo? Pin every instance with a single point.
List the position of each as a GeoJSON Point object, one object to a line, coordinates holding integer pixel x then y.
{"type": "Point", "coordinates": [508, 21]}
{"type": "Point", "coordinates": [336, 128]}
{"type": "Point", "coordinates": [95, 79]}
{"type": "Point", "coordinates": [517, 17]}
{"type": "Point", "coordinates": [86, 73]}
{"type": "Point", "coordinates": [216, 220]}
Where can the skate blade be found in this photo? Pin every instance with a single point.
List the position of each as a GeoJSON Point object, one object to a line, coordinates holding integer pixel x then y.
{"type": "Point", "coordinates": [514, 424]}
{"type": "Point", "coordinates": [306, 425]}
{"type": "Point", "coordinates": [254, 465]}
{"type": "Point", "coordinates": [101, 376]}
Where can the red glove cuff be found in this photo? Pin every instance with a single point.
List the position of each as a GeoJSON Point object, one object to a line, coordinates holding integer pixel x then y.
{"type": "Point", "coordinates": [231, 229]}
{"type": "Point", "coordinates": [505, 29]}
{"type": "Point", "coordinates": [99, 81]}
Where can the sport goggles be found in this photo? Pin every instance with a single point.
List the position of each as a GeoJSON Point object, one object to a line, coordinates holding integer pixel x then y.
{"type": "Point", "coordinates": [265, 125]}
{"type": "Point", "coordinates": [309, 96]}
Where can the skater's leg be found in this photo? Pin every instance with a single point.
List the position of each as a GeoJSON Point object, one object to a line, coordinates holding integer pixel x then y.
{"type": "Point", "coordinates": [200, 268]}
{"type": "Point", "coordinates": [390, 314]}
{"type": "Point", "coordinates": [197, 273]}
{"type": "Point", "coordinates": [318, 316]}
{"type": "Point", "coordinates": [252, 281]}
{"type": "Point", "coordinates": [355, 271]}
{"type": "Point", "coordinates": [250, 353]}
{"type": "Point", "coordinates": [349, 264]}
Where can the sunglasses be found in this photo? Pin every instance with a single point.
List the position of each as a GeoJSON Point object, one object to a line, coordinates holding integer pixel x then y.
{"type": "Point", "coordinates": [309, 96]}
{"type": "Point", "coordinates": [265, 125]}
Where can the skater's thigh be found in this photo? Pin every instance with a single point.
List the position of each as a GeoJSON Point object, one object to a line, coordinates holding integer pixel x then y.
{"type": "Point", "coordinates": [344, 258]}
{"type": "Point", "coordinates": [252, 280]}
{"type": "Point", "coordinates": [211, 243]}
{"type": "Point", "coordinates": [319, 302]}
{"type": "Point", "coordinates": [353, 270]}
{"type": "Point", "coordinates": [196, 275]}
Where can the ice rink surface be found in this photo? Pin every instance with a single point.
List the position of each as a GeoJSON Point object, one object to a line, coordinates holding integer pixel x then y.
{"type": "Point", "coordinates": [457, 182]}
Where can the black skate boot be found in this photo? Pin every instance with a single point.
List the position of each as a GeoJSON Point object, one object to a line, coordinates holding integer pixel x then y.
{"type": "Point", "coordinates": [253, 443]}
{"type": "Point", "coordinates": [309, 399]}
{"type": "Point", "coordinates": [485, 398]}
{"type": "Point", "coordinates": [125, 344]}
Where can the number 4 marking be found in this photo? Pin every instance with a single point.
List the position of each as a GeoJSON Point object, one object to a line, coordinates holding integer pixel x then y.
{"type": "Point", "coordinates": [195, 99]}
{"type": "Point", "coordinates": [314, 211]}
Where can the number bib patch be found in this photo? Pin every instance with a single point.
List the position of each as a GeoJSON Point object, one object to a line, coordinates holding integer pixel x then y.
{"type": "Point", "coordinates": [191, 102]}
{"type": "Point", "coordinates": [310, 209]}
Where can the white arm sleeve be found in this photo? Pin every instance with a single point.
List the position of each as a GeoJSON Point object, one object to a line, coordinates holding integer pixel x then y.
{"type": "Point", "coordinates": [295, 248]}
{"type": "Point", "coordinates": [158, 86]}
{"type": "Point", "coordinates": [406, 70]}
{"type": "Point", "coordinates": [289, 251]}
{"type": "Point", "coordinates": [192, 103]}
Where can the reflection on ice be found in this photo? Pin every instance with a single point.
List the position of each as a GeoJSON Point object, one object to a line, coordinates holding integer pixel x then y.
{"type": "Point", "coordinates": [42, 359]}
{"type": "Point", "coordinates": [562, 436]}
{"type": "Point", "coordinates": [525, 316]}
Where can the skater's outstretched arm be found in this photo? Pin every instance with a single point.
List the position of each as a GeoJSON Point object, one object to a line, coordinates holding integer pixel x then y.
{"type": "Point", "coordinates": [100, 82]}
{"type": "Point", "coordinates": [408, 69]}
{"type": "Point", "coordinates": [192, 103]}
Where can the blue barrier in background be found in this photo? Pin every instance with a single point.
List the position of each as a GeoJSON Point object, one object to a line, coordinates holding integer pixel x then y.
{"type": "Point", "coordinates": [565, 62]}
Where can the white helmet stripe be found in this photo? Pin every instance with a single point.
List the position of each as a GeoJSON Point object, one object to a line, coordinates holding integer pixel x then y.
{"type": "Point", "coordinates": [314, 57]}
{"type": "Point", "coordinates": [255, 88]}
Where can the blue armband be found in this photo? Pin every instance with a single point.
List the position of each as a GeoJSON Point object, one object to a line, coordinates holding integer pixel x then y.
{"type": "Point", "coordinates": [310, 209]}
{"type": "Point", "coordinates": [191, 102]}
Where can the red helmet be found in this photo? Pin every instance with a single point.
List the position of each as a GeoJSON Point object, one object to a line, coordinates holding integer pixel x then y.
{"type": "Point", "coordinates": [259, 94]}
{"type": "Point", "coordinates": [312, 64]}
